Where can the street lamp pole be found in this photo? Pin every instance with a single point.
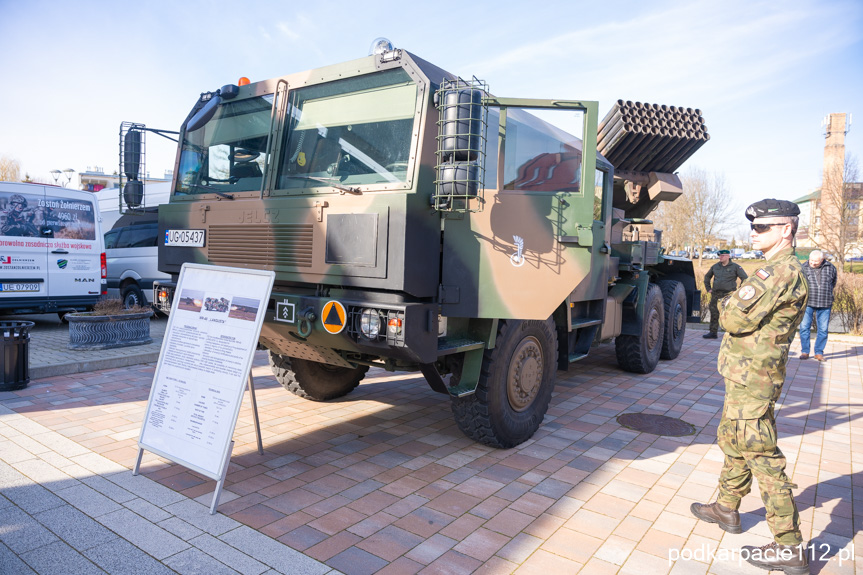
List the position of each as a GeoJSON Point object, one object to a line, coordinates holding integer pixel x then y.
{"type": "Point", "coordinates": [68, 173]}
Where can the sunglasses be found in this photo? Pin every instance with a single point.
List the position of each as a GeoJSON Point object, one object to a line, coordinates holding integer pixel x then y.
{"type": "Point", "coordinates": [761, 228]}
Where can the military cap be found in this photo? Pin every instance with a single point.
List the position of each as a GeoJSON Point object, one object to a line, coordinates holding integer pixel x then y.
{"type": "Point", "coordinates": [724, 253]}
{"type": "Point", "coordinates": [771, 208]}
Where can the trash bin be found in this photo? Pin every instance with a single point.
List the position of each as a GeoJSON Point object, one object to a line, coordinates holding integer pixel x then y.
{"type": "Point", "coordinates": [15, 357]}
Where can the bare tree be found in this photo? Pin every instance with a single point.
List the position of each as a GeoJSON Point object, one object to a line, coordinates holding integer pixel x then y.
{"type": "Point", "coordinates": [837, 225]}
{"type": "Point", "coordinates": [671, 218]}
{"type": "Point", "coordinates": [700, 214]}
{"type": "Point", "coordinates": [10, 169]}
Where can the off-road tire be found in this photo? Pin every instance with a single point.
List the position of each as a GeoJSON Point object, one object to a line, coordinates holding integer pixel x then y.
{"type": "Point", "coordinates": [313, 380]}
{"type": "Point", "coordinates": [502, 413]}
{"type": "Point", "coordinates": [640, 353]}
{"type": "Point", "coordinates": [132, 296]}
{"type": "Point", "coordinates": [674, 300]}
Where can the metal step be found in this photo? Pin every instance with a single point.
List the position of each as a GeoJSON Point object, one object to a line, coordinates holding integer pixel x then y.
{"type": "Point", "coordinates": [449, 346]}
{"type": "Point", "coordinates": [580, 323]}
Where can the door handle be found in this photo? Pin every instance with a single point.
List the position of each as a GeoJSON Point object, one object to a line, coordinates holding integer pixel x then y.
{"type": "Point", "coordinates": [59, 252]}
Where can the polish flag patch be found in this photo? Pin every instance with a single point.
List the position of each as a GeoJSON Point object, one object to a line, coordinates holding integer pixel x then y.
{"type": "Point", "coordinates": [762, 273]}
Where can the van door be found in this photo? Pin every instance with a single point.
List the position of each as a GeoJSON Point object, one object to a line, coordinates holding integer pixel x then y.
{"type": "Point", "coordinates": [74, 246]}
{"type": "Point", "coordinates": [23, 246]}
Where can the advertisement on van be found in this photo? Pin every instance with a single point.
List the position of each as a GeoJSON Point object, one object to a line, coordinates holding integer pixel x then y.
{"type": "Point", "coordinates": [50, 249]}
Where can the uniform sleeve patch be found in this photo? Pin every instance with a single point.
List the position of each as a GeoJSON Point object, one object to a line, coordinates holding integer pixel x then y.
{"type": "Point", "coordinates": [746, 293]}
{"type": "Point", "coordinates": [762, 273]}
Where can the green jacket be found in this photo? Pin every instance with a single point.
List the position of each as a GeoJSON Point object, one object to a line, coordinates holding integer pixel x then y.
{"type": "Point", "coordinates": [724, 277]}
{"type": "Point", "coordinates": [760, 320]}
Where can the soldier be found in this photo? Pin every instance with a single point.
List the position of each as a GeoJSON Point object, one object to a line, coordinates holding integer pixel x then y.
{"type": "Point", "coordinates": [724, 276]}
{"type": "Point", "coordinates": [19, 220]}
{"type": "Point", "coordinates": [760, 320]}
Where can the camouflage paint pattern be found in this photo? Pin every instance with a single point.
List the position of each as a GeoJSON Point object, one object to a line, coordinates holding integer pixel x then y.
{"type": "Point", "coordinates": [760, 319]}
{"type": "Point", "coordinates": [750, 450]}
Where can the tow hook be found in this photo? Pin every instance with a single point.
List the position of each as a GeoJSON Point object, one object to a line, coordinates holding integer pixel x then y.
{"type": "Point", "coordinates": [305, 322]}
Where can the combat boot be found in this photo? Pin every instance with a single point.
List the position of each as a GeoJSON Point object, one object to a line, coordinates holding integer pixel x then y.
{"type": "Point", "coordinates": [727, 519]}
{"type": "Point", "coordinates": [710, 335]}
{"type": "Point", "coordinates": [791, 559]}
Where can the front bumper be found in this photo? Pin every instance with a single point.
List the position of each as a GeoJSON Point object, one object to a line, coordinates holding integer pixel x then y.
{"type": "Point", "coordinates": [304, 326]}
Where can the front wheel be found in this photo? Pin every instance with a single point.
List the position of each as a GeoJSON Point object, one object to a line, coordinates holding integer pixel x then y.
{"type": "Point", "coordinates": [640, 353]}
{"type": "Point", "coordinates": [515, 385]}
{"type": "Point", "coordinates": [313, 380]}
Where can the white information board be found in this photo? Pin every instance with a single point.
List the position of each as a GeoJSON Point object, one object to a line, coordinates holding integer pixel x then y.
{"type": "Point", "coordinates": [206, 355]}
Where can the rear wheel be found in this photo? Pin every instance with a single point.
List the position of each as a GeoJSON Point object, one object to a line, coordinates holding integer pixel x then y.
{"type": "Point", "coordinates": [133, 296]}
{"type": "Point", "coordinates": [674, 303]}
{"type": "Point", "coordinates": [515, 385]}
{"type": "Point", "coordinates": [640, 353]}
{"type": "Point", "coordinates": [313, 380]}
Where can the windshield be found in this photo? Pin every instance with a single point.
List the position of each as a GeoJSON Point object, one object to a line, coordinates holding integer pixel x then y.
{"type": "Point", "coordinates": [351, 132]}
{"type": "Point", "coordinates": [227, 154]}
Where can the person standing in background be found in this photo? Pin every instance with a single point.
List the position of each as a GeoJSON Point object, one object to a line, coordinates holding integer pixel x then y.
{"type": "Point", "coordinates": [821, 276]}
{"type": "Point", "coordinates": [723, 276]}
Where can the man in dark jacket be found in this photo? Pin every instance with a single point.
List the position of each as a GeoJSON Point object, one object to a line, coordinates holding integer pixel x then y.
{"type": "Point", "coordinates": [821, 276]}
{"type": "Point", "coordinates": [723, 276]}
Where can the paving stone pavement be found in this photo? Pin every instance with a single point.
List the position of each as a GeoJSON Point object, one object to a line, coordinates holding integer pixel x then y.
{"type": "Point", "coordinates": [382, 481]}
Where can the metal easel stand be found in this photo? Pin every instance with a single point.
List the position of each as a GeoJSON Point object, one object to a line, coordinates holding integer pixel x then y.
{"type": "Point", "coordinates": [220, 483]}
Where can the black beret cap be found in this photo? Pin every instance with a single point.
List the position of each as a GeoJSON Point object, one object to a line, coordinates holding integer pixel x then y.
{"type": "Point", "coordinates": [771, 208]}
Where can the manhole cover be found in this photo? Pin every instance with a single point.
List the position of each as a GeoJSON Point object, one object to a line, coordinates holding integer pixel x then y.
{"type": "Point", "coordinates": [656, 424]}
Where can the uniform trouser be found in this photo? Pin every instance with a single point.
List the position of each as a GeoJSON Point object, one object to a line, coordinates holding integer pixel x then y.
{"type": "Point", "coordinates": [750, 450]}
{"type": "Point", "coordinates": [715, 297]}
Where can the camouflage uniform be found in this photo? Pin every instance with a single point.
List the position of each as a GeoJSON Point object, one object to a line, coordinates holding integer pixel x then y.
{"type": "Point", "coordinates": [760, 319]}
{"type": "Point", "coordinates": [724, 280]}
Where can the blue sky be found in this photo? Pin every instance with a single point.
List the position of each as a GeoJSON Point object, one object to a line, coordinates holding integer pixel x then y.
{"type": "Point", "coordinates": [763, 73]}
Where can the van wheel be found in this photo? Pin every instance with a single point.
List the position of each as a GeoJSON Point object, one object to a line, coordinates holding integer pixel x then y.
{"type": "Point", "coordinates": [640, 353]}
{"type": "Point", "coordinates": [313, 380]}
{"type": "Point", "coordinates": [132, 296]}
{"type": "Point", "coordinates": [515, 385]}
{"type": "Point", "coordinates": [674, 299]}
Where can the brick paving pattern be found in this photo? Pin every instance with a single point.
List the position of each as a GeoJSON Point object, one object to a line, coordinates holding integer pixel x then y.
{"type": "Point", "coordinates": [382, 481]}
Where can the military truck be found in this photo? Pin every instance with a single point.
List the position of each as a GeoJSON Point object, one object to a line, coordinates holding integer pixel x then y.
{"type": "Point", "coordinates": [417, 222]}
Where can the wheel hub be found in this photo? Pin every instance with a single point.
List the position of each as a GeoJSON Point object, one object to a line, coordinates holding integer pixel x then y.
{"type": "Point", "coordinates": [525, 374]}
{"type": "Point", "coordinates": [654, 328]}
{"type": "Point", "coordinates": [678, 319]}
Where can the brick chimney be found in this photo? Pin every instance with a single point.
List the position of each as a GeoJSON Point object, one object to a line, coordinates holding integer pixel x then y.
{"type": "Point", "coordinates": [835, 129]}
{"type": "Point", "coordinates": [832, 184]}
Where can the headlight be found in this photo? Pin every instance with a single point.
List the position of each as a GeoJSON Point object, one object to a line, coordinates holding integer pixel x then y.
{"type": "Point", "coordinates": [370, 323]}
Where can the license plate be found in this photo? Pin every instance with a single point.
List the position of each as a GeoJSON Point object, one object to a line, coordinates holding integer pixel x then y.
{"type": "Point", "coordinates": [187, 238]}
{"type": "Point", "coordinates": [19, 287]}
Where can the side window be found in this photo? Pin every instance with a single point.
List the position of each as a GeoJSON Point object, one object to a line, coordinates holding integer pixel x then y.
{"type": "Point", "coordinates": [137, 237]}
{"type": "Point", "coordinates": [538, 157]}
{"type": "Point", "coordinates": [598, 189]}
{"type": "Point", "coordinates": [111, 239]}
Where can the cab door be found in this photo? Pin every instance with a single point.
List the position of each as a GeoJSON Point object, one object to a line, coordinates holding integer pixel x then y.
{"type": "Point", "coordinates": [74, 246]}
{"type": "Point", "coordinates": [23, 247]}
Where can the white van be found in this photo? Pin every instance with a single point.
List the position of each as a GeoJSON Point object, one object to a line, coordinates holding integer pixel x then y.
{"type": "Point", "coordinates": [52, 256]}
{"type": "Point", "coordinates": [133, 257]}
{"type": "Point", "coordinates": [131, 242]}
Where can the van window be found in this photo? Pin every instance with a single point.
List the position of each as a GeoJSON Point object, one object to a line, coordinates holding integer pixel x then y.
{"type": "Point", "coordinates": [111, 239]}
{"type": "Point", "coordinates": [138, 236]}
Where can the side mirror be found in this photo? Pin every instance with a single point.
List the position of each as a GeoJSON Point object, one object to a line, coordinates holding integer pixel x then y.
{"type": "Point", "coordinates": [133, 193]}
{"type": "Point", "coordinates": [205, 114]}
{"type": "Point", "coordinates": [132, 154]}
